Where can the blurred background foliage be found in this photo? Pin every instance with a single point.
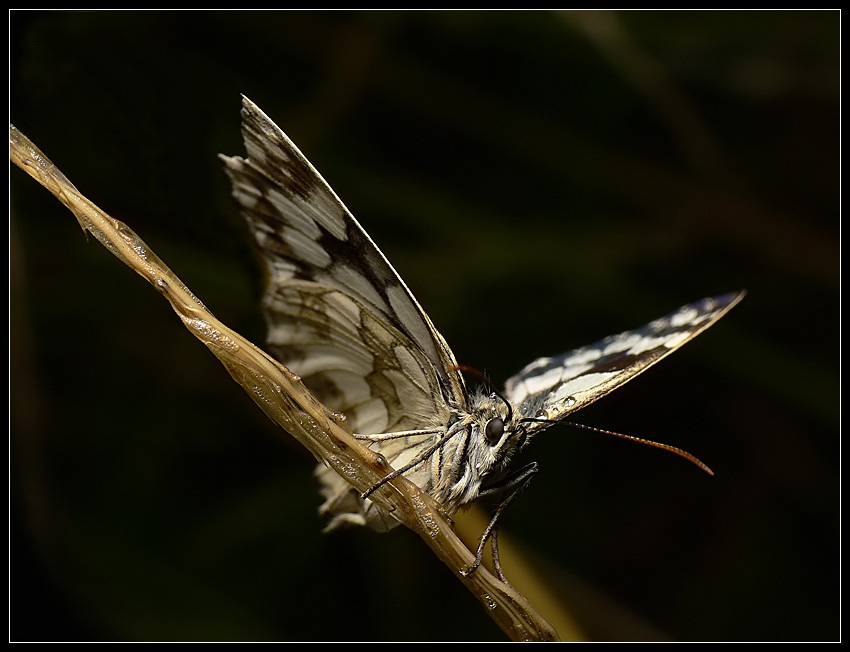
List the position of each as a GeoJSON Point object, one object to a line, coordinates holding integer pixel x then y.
{"type": "Point", "coordinates": [540, 180]}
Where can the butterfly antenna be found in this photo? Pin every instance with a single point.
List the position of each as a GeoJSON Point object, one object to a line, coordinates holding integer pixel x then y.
{"type": "Point", "coordinates": [665, 447]}
{"type": "Point", "coordinates": [486, 381]}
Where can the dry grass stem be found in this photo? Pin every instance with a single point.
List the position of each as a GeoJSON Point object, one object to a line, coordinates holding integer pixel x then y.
{"type": "Point", "coordinates": [288, 403]}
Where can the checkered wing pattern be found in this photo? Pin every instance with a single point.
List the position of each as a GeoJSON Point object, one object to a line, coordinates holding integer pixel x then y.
{"type": "Point", "coordinates": [340, 316]}
{"type": "Point", "coordinates": [551, 388]}
{"type": "Point", "coordinates": [337, 312]}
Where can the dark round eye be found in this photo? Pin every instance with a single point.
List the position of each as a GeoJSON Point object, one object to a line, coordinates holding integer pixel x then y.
{"type": "Point", "coordinates": [494, 430]}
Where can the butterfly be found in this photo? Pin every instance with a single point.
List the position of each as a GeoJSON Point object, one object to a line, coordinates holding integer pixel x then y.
{"type": "Point", "coordinates": [340, 317]}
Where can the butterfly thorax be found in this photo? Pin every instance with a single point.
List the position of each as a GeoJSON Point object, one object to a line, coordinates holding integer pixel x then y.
{"type": "Point", "coordinates": [475, 459]}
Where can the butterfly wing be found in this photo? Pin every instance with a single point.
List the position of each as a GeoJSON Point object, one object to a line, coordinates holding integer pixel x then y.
{"type": "Point", "coordinates": [338, 314]}
{"type": "Point", "coordinates": [551, 388]}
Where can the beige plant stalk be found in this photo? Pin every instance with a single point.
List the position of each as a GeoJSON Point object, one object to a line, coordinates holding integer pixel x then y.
{"type": "Point", "coordinates": [283, 397]}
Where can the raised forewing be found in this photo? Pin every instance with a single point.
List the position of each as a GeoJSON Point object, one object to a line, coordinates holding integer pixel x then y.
{"type": "Point", "coordinates": [337, 312]}
{"type": "Point", "coordinates": [550, 388]}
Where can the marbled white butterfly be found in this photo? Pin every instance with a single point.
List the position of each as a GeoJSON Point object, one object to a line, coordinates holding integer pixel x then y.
{"type": "Point", "coordinates": [340, 317]}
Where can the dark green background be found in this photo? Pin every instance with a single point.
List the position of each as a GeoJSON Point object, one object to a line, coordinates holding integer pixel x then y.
{"type": "Point", "coordinates": [540, 180]}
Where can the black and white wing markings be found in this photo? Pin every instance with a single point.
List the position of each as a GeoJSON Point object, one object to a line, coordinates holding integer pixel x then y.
{"type": "Point", "coordinates": [551, 388]}
{"type": "Point", "coordinates": [338, 313]}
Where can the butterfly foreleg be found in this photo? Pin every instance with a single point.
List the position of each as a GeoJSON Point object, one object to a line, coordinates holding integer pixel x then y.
{"type": "Point", "coordinates": [421, 457]}
{"type": "Point", "coordinates": [515, 484]}
{"type": "Point", "coordinates": [386, 436]}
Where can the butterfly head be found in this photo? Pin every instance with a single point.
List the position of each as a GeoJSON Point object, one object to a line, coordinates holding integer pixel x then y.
{"type": "Point", "coordinates": [495, 436]}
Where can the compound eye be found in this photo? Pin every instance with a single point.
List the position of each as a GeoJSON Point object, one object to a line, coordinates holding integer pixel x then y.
{"type": "Point", "coordinates": [494, 430]}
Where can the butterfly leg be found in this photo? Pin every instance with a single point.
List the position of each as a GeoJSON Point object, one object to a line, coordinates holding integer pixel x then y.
{"type": "Point", "coordinates": [497, 564]}
{"type": "Point", "coordinates": [517, 482]}
{"type": "Point", "coordinates": [421, 457]}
